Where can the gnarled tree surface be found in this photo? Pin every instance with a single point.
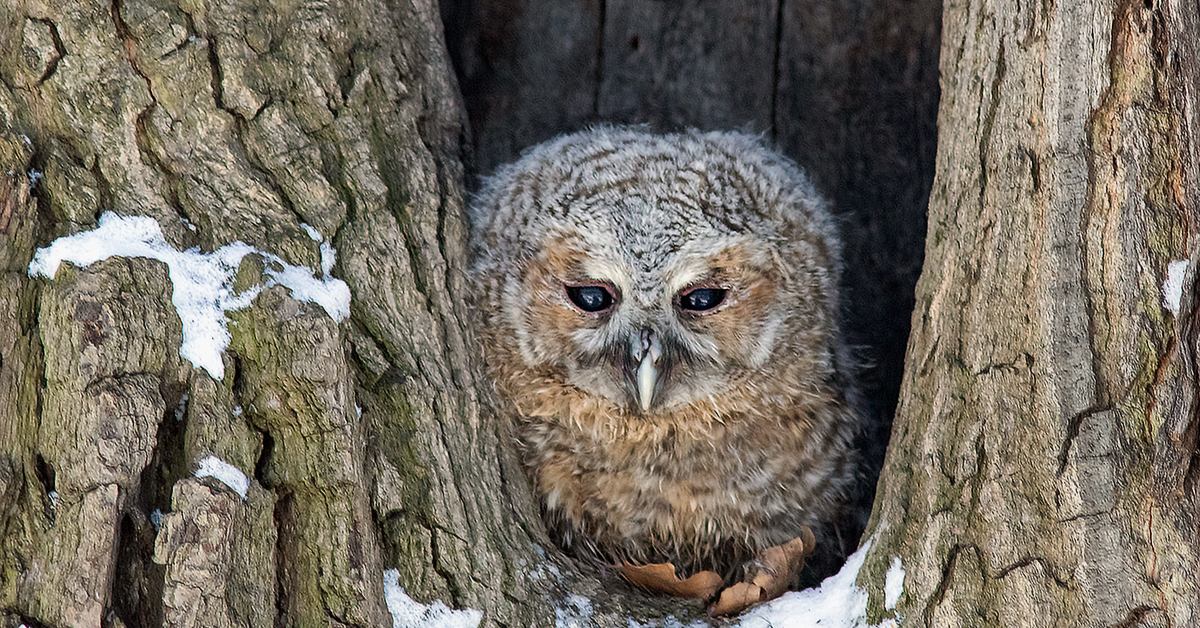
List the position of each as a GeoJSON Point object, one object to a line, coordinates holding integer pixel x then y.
{"type": "Point", "coordinates": [1042, 470]}
{"type": "Point", "coordinates": [366, 441]}
{"type": "Point", "coordinates": [1043, 462]}
{"type": "Point", "coordinates": [370, 442]}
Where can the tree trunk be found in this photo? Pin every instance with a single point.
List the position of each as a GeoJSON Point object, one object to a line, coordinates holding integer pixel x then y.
{"type": "Point", "coordinates": [1042, 469]}
{"type": "Point", "coordinates": [1042, 463]}
{"type": "Point", "coordinates": [370, 443]}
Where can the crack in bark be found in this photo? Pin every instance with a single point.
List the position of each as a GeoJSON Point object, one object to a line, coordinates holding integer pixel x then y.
{"type": "Point", "coordinates": [285, 580]}
{"type": "Point", "coordinates": [452, 585]}
{"type": "Point", "coordinates": [1047, 568]}
{"type": "Point", "coordinates": [989, 121]}
{"type": "Point", "coordinates": [218, 88]}
{"type": "Point", "coordinates": [141, 122]}
{"type": "Point", "coordinates": [60, 50]}
{"type": "Point", "coordinates": [104, 190]}
{"type": "Point", "coordinates": [1138, 614]}
{"type": "Point", "coordinates": [776, 70]}
{"type": "Point", "coordinates": [1160, 374]}
{"type": "Point", "coordinates": [1073, 432]}
{"type": "Point", "coordinates": [1152, 568]}
{"type": "Point", "coordinates": [939, 592]}
{"type": "Point", "coordinates": [240, 127]}
{"type": "Point", "coordinates": [1101, 130]}
{"type": "Point", "coordinates": [599, 77]}
{"type": "Point", "coordinates": [1011, 365]}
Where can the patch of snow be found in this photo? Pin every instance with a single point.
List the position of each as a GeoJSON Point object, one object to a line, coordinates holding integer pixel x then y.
{"type": "Point", "coordinates": [312, 232]}
{"type": "Point", "coordinates": [202, 282]}
{"type": "Point", "coordinates": [837, 603]}
{"type": "Point", "coordinates": [1172, 288]}
{"type": "Point", "coordinates": [574, 614]}
{"type": "Point", "coordinates": [182, 409]}
{"type": "Point", "coordinates": [328, 258]}
{"type": "Point", "coordinates": [893, 585]}
{"type": "Point", "coordinates": [408, 613]}
{"type": "Point", "coordinates": [34, 177]}
{"type": "Point", "coordinates": [156, 518]}
{"type": "Point", "coordinates": [331, 294]}
{"type": "Point", "coordinates": [53, 495]}
{"type": "Point", "coordinates": [231, 476]}
{"type": "Point", "coordinates": [237, 411]}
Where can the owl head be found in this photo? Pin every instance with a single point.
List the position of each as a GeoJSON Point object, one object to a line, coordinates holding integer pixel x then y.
{"type": "Point", "coordinates": [657, 272]}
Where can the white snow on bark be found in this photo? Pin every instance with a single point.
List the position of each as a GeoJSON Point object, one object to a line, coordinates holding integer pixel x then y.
{"type": "Point", "coordinates": [202, 282]}
{"type": "Point", "coordinates": [837, 603]}
{"type": "Point", "coordinates": [1173, 286]}
{"type": "Point", "coordinates": [408, 613]}
{"type": "Point", "coordinates": [893, 585]}
{"type": "Point", "coordinates": [231, 476]}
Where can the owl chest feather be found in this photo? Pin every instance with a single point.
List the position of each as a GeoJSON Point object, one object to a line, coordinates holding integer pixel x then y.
{"type": "Point", "coordinates": [682, 486]}
{"type": "Point", "coordinates": [662, 313]}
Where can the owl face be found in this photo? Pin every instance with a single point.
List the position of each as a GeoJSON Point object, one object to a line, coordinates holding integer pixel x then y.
{"type": "Point", "coordinates": [647, 271]}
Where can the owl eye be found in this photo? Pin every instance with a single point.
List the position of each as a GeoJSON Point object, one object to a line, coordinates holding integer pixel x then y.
{"type": "Point", "coordinates": [590, 298]}
{"type": "Point", "coordinates": [702, 299]}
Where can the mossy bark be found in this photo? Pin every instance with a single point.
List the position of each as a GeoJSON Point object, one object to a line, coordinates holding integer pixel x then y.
{"type": "Point", "coordinates": [369, 443]}
{"type": "Point", "coordinates": [1042, 469]}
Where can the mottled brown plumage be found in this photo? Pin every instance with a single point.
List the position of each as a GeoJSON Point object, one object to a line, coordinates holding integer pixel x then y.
{"type": "Point", "coordinates": [662, 427]}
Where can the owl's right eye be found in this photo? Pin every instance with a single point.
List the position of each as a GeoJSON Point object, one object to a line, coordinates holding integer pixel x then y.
{"type": "Point", "coordinates": [590, 298]}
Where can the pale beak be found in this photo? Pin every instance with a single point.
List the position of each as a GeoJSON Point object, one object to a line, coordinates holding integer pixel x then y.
{"type": "Point", "coordinates": [647, 372]}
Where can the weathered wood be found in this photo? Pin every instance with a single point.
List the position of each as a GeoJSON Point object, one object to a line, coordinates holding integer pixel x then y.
{"type": "Point", "coordinates": [1041, 470]}
{"type": "Point", "coordinates": [699, 63]}
{"type": "Point", "coordinates": [247, 121]}
{"type": "Point", "coordinates": [528, 70]}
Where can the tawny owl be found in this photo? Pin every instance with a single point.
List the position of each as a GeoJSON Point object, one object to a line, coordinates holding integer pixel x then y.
{"type": "Point", "coordinates": [663, 312]}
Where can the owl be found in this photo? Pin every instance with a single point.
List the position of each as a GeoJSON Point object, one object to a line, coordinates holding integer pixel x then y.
{"type": "Point", "coordinates": [662, 312]}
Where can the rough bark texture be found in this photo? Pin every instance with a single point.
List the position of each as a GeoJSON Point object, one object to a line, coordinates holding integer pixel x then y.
{"type": "Point", "coordinates": [1042, 469]}
{"type": "Point", "coordinates": [848, 89]}
{"type": "Point", "coordinates": [246, 119]}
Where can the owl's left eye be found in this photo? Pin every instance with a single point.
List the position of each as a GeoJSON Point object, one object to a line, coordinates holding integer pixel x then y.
{"type": "Point", "coordinates": [702, 299]}
{"type": "Point", "coordinates": [590, 298]}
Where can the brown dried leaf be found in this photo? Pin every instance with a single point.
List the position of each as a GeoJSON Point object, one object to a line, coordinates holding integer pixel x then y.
{"type": "Point", "coordinates": [736, 599]}
{"type": "Point", "coordinates": [777, 567]}
{"type": "Point", "coordinates": [661, 578]}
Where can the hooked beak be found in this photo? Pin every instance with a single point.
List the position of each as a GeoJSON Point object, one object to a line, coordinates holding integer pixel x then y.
{"type": "Point", "coordinates": [646, 352]}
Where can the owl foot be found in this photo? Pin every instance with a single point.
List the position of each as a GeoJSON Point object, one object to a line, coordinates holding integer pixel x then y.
{"type": "Point", "coordinates": [661, 578]}
{"type": "Point", "coordinates": [777, 567]}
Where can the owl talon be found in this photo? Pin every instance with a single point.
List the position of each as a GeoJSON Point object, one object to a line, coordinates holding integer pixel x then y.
{"type": "Point", "coordinates": [661, 578]}
{"type": "Point", "coordinates": [777, 568]}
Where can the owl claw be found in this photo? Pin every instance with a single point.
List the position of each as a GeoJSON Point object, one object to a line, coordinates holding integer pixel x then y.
{"type": "Point", "coordinates": [777, 567]}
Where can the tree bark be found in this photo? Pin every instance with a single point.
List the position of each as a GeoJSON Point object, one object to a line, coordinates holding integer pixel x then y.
{"type": "Point", "coordinates": [1042, 462]}
{"type": "Point", "coordinates": [1042, 469]}
{"type": "Point", "coordinates": [369, 444]}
